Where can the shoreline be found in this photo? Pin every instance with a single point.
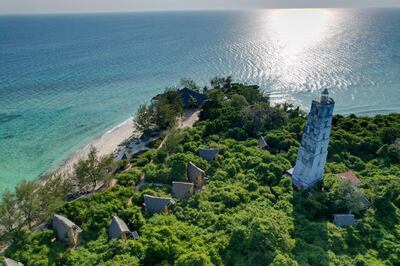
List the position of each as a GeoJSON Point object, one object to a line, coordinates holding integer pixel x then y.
{"type": "Point", "coordinates": [106, 144]}
{"type": "Point", "coordinates": [109, 141]}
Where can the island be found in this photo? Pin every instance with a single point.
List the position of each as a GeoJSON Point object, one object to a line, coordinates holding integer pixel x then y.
{"type": "Point", "coordinates": [232, 187]}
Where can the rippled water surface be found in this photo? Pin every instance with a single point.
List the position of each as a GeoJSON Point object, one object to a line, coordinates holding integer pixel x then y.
{"type": "Point", "coordinates": [66, 78]}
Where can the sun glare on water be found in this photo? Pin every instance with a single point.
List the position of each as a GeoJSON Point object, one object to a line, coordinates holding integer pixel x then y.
{"type": "Point", "coordinates": [294, 36]}
{"type": "Point", "coordinates": [296, 30]}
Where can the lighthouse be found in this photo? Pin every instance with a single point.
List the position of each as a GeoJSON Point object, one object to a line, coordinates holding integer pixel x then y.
{"type": "Point", "coordinates": [313, 152]}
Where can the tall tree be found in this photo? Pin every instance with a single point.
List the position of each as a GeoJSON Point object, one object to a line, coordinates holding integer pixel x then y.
{"type": "Point", "coordinates": [349, 197]}
{"type": "Point", "coordinates": [190, 84]}
{"type": "Point", "coordinates": [144, 119]}
{"type": "Point", "coordinates": [93, 169]}
{"type": "Point", "coordinates": [52, 194]}
{"type": "Point", "coordinates": [28, 198]}
{"type": "Point", "coordinates": [9, 214]}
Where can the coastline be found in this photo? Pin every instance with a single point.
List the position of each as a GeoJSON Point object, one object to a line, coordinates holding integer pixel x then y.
{"type": "Point", "coordinates": [109, 141]}
{"type": "Point", "coordinates": [105, 144]}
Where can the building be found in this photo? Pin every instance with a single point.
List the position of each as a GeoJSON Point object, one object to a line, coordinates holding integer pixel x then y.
{"type": "Point", "coordinates": [118, 229]}
{"type": "Point", "coordinates": [66, 231]}
{"type": "Point", "coordinates": [196, 176]}
{"type": "Point", "coordinates": [262, 143]}
{"type": "Point", "coordinates": [189, 97]}
{"type": "Point", "coordinates": [10, 262]}
{"type": "Point", "coordinates": [344, 220]}
{"type": "Point", "coordinates": [349, 175]}
{"type": "Point", "coordinates": [155, 204]}
{"type": "Point", "coordinates": [182, 190]}
{"type": "Point", "coordinates": [311, 158]}
{"type": "Point", "coordinates": [209, 154]}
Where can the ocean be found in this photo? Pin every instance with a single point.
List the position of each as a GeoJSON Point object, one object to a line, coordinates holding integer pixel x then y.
{"type": "Point", "coordinates": [65, 79]}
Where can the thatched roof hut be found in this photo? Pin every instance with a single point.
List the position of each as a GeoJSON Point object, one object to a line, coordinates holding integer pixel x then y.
{"type": "Point", "coordinates": [209, 154]}
{"type": "Point", "coordinates": [262, 143]}
{"type": "Point", "coordinates": [155, 204]}
{"type": "Point", "coordinates": [187, 95]}
{"type": "Point", "coordinates": [344, 220]}
{"type": "Point", "coordinates": [182, 189]}
{"type": "Point", "coordinates": [350, 176]}
{"type": "Point", "coordinates": [10, 262]}
{"type": "Point", "coordinates": [196, 175]}
{"type": "Point", "coordinates": [66, 230]}
{"type": "Point", "coordinates": [118, 228]}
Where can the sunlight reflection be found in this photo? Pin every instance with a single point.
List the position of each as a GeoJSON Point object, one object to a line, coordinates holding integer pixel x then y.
{"type": "Point", "coordinates": [296, 30]}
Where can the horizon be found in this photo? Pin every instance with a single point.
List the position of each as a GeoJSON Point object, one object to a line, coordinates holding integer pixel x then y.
{"type": "Point", "coordinates": [48, 7]}
{"type": "Point", "coordinates": [190, 10]}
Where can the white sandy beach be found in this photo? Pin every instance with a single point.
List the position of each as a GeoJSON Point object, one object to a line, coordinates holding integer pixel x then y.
{"type": "Point", "coordinates": [109, 141]}
{"type": "Point", "coordinates": [105, 144]}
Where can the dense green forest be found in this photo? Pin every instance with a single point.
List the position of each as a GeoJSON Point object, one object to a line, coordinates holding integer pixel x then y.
{"type": "Point", "coordinates": [248, 213]}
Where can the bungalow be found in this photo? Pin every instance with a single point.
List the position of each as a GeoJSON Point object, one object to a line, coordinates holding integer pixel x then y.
{"type": "Point", "coordinates": [289, 172]}
{"type": "Point", "coordinates": [349, 175]}
{"type": "Point", "coordinates": [182, 190]}
{"type": "Point", "coordinates": [188, 96]}
{"type": "Point", "coordinates": [344, 220]}
{"type": "Point", "coordinates": [66, 231]}
{"type": "Point", "coordinates": [209, 154]}
{"type": "Point", "coordinates": [155, 204]}
{"type": "Point", "coordinates": [10, 262]}
{"type": "Point", "coordinates": [262, 143]}
{"type": "Point", "coordinates": [118, 229]}
{"type": "Point", "coordinates": [196, 176]}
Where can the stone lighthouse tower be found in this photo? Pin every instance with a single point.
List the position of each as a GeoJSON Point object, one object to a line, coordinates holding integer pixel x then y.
{"type": "Point", "coordinates": [312, 154]}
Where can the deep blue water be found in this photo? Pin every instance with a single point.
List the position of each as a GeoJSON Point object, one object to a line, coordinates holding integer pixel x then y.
{"type": "Point", "coordinates": [67, 78]}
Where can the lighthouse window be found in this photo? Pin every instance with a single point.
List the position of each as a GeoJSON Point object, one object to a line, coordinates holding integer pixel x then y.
{"type": "Point", "coordinates": [321, 150]}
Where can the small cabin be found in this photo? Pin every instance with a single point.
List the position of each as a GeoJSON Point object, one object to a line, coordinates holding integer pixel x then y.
{"type": "Point", "coordinates": [156, 205]}
{"type": "Point", "coordinates": [10, 262]}
{"type": "Point", "coordinates": [66, 231]}
{"type": "Point", "coordinates": [196, 176]}
{"type": "Point", "coordinates": [209, 154]}
{"type": "Point", "coordinates": [118, 229]}
{"type": "Point", "coordinates": [289, 172]}
{"type": "Point", "coordinates": [182, 190]}
{"type": "Point", "coordinates": [344, 220]}
{"type": "Point", "coordinates": [350, 176]}
{"type": "Point", "coordinates": [135, 235]}
{"type": "Point", "coordinates": [262, 143]}
{"type": "Point", "coordinates": [189, 96]}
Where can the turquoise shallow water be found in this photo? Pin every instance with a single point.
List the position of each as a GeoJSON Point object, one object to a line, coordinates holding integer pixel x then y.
{"type": "Point", "coordinates": [65, 79]}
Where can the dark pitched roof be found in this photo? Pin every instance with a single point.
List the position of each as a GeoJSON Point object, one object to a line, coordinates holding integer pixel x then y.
{"type": "Point", "coordinates": [156, 204]}
{"type": "Point", "coordinates": [262, 143]}
{"type": "Point", "coordinates": [194, 171]}
{"type": "Point", "coordinates": [187, 93]}
{"type": "Point", "coordinates": [209, 154]}
{"type": "Point", "coordinates": [349, 175]}
{"type": "Point", "coordinates": [290, 171]}
{"type": "Point", "coordinates": [135, 235]}
{"type": "Point", "coordinates": [182, 189]}
{"type": "Point", "coordinates": [117, 227]}
{"type": "Point", "coordinates": [10, 262]}
{"type": "Point", "coordinates": [344, 219]}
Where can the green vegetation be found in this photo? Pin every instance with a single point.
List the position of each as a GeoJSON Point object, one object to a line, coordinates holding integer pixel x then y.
{"type": "Point", "coordinates": [161, 113]}
{"type": "Point", "coordinates": [248, 214]}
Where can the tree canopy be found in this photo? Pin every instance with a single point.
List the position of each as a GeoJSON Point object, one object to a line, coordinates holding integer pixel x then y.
{"type": "Point", "coordinates": [248, 213]}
